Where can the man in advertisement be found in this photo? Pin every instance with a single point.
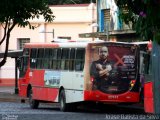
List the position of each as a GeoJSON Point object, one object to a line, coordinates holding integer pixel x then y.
{"type": "Point", "coordinates": [101, 69]}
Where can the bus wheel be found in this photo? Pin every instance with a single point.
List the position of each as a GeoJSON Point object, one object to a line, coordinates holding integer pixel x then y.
{"type": "Point", "coordinates": [62, 99]}
{"type": "Point", "coordinates": [33, 103]}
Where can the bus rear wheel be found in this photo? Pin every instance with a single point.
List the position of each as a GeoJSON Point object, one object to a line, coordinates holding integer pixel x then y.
{"type": "Point", "coordinates": [33, 103]}
{"type": "Point", "coordinates": [62, 99]}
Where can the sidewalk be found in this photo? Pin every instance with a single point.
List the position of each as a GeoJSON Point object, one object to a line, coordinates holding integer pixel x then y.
{"type": "Point", "coordinates": [7, 94]}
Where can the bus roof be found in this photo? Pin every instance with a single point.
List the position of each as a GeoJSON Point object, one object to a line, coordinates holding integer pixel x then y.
{"type": "Point", "coordinates": [141, 43]}
{"type": "Point", "coordinates": [77, 44]}
{"type": "Point", "coordinates": [56, 45]}
{"type": "Point", "coordinates": [65, 44]}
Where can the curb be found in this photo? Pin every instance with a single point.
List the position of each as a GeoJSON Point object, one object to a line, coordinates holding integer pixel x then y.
{"type": "Point", "coordinates": [9, 97]}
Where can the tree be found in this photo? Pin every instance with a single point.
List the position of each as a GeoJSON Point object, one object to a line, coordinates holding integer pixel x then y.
{"type": "Point", "coordinates": [18, 12]}
{"type": "Point", "coordinates": [144, 16]}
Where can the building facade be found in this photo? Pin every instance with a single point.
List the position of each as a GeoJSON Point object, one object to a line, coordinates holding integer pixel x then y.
{"type": "Point", "coordinates": [70, 21]}
{"type": "Point", "coordinates": [109, 25]}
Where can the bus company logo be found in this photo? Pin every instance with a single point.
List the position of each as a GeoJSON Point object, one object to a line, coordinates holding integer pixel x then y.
{"type": "Point", "coordinates": [9, 117]}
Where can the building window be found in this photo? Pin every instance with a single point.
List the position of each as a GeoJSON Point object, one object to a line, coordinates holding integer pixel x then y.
{"type": "Point", "coordinates": [107, 20]}
{"type": "Point", "coordinates": [22, 41]}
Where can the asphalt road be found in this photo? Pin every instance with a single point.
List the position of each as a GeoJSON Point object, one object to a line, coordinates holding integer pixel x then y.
{"type": "Point", "coordinates": [22, 111]}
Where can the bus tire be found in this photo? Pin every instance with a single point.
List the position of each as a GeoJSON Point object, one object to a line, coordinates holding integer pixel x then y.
{"type": "Point", "coordinates": [62, 99]}
{"type": "Point", "coordinates": [33, 103]}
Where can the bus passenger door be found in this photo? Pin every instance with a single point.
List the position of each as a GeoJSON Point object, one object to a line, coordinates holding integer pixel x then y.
{"type": "Point", "coordinates": [23, 74]}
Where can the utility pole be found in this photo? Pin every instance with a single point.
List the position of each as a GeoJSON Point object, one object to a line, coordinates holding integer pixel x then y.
{"type": "Point", "coordinates": [16, 77]}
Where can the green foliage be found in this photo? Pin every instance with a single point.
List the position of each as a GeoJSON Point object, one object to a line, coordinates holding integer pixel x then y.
{"type": "Point", "coordinates": [157, 37]}
{"type": "Point", "coordinates": [20, 11]}
{"type": "Point", "coordinates": [60, 2]}
{"type": "Point", "coordinates": [144, 14]}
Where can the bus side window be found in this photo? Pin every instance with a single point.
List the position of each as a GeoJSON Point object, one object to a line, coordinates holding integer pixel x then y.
{"type": "Point", "coordinates": [79, 61]}
{"type": "Point", "coordinates": [59, 53]}
{"type": "Point", "coordinates": [65, 59]}
{"type": "Point", "coordinates": [72, 59]}
{"type": "Point", "coordinates": [33, 59]}
{"type": "Point", "coordinates": [50, 57]}
{"type": "Point", "coordinates": [23, 65]}
{"type": "Point", "coordinates": [25, 60]}
{"type": "Point", "coordinates": [54, 59]}
{"type": "Point", "coordinates": [40, 57]}
{"type": "Point", "coordinates": [26, 52]}
{"type": "Point", "coordinates": [46, 58]}
{"type": "Point", "coordinates": [147, 67]}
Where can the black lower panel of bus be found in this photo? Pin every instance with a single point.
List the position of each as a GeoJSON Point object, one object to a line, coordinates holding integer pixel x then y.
{"type": "Point", "coordinates": [113, 89]}
{"type": "Point", "coordinates": [113, 86]}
